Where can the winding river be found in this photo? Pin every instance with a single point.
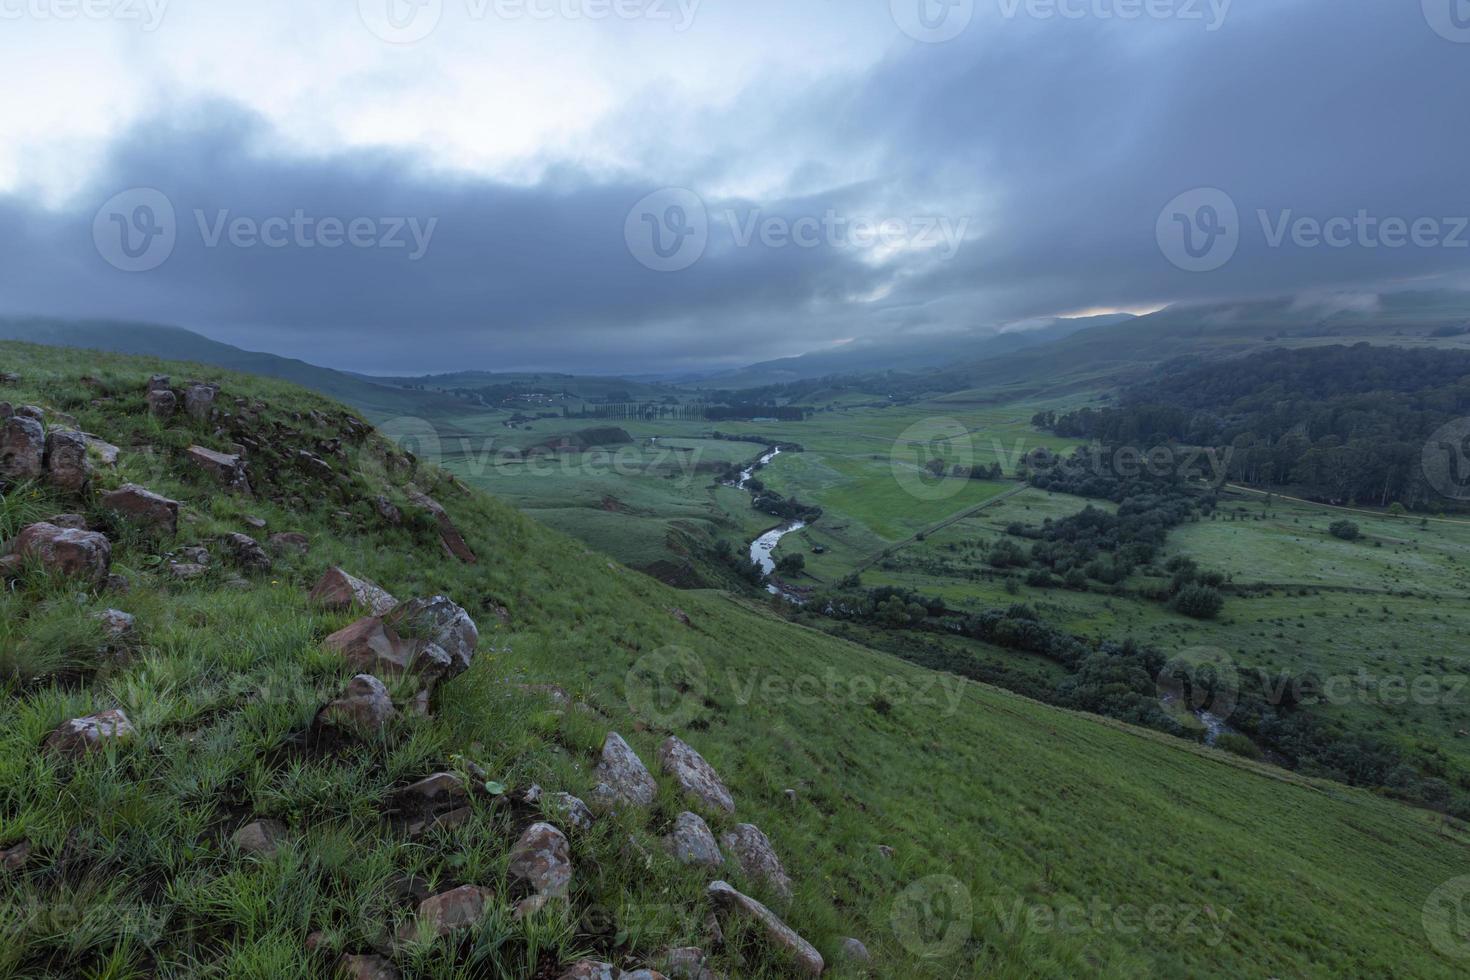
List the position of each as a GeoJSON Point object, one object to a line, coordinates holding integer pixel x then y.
{"type": "Point", "coordinates": [762, 547]}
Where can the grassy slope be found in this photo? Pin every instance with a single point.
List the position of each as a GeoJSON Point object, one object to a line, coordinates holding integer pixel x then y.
{"type": "Point", "coordinates": [1016, 800]}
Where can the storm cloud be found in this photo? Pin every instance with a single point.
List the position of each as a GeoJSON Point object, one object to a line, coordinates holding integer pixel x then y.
{"type": "Point", "coordinates": [1035, 164]}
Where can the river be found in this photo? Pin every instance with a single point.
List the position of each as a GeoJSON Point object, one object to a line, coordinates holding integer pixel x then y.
{"type": "Point", "coordinates": [762, 547]}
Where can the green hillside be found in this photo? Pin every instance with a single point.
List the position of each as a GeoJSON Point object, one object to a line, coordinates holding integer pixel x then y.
{"type": "Point", "coordinates": [1025, 840]}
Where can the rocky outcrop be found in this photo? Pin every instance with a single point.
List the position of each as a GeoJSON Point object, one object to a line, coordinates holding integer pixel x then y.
{"type": "Point", "coordinates": [542, 859]}
{"type": "Point", "coordinates": [691, 842]}
{"type": "Point", "coordinates": [227, 469]}
{"type": "Point", "coordinates": [144, 508]}
{"type": "Point", "coordinates": [22, 449]}
{"type": "Point", "coordinates": [261, 838]}
{"type": "Point", "coordinates": [364, 707]}
{"type": "Point", "coordinates": [625, 780]}
{"type": "Point", "coordinates": [448, 913]}
{"type": "Point", "coordinates": [441, 621]}
{"type": "Point", "coordinates": [67, 466]}
{"type": "Point", "coordinates": [199, 400]}
{"type": "Point", "coordinates": [91, 734]}
{"type": "Point", "coordinates": [162, 403]}
{"type": "Point", "coordinates": [753, 852]}
{"type": "Point", "coordinates": [85, 555]}
{"type": "Point", "coordinates": [778, 933]}
{"type": "Point", "coordinates": [454, 542]}
{"type": "Point", "coordinates": [247, 553]}
{"type": "Point", "coordinates": [370, 646]}
{"type": "Point", "coordinates": [694, 776]}
{"type": "Point", "coordinates": [338, 590]}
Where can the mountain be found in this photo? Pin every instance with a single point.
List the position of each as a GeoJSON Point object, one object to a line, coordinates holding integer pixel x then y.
{"type": "Point", "coordinates": [910, 354]}
{"type": "Point", "coordinates": [154, 340]}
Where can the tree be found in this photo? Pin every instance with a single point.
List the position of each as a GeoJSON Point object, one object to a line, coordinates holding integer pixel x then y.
{"type": "Point", "coordinates": [791, 565]}
{"type": "Point", "coordinates": [1346, 530]}
{"type": "Point", "coordinates": [1199, 601]}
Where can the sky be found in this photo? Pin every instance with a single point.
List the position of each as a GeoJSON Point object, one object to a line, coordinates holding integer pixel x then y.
{"type": "Point", "coordinates": [661, 186]}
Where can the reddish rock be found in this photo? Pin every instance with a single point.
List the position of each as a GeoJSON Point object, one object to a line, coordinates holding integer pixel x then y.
{"type": "Point", "coordinates": [440, 620]}
{"type": "Point", "coordinates": [445, 914]}
{"type": "Point", "coordinates": [90, 734]}
{"type": "Point", "coordinates": [67, 466]}
{"type": "Point", "coordinates": [338, 590]}
{"type": "Point", "coordinates": [247, 553]}
{"type": "Point", "coordinates": [74, 521]}
{"type": "Point", "coordinates": [22, 449]}
{"type": "Point", "coordinates": [369, 645]}
{"type": "Point", "coordinates": [227, 469]}
{"type": "Point", "coordinates": [454, 542]}
{"type": "Point", "coordinates": [66, 551]}
{"type": "Point", "coordinates": [145, 508]}
{"type": "Point", "coordinates": [289, 542]}
{"type": "Point", "coordinates": [365, 706]}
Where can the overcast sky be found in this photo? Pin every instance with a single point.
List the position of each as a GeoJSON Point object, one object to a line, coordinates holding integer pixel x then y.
{"type": "Point", "coordinates": [657, 185]}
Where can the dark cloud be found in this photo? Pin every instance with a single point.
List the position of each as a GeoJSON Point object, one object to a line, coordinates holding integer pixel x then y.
{"type": "Point", "coordinates": [1058, 141]}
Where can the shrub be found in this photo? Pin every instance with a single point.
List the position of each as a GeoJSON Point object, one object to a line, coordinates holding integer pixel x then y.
{"type": "Point", "coordinates": [1346, 530]}
{"type": "Point", "coordinates": [1238, 744]}
{"type": "Point", "coordinates": [1199, 601]}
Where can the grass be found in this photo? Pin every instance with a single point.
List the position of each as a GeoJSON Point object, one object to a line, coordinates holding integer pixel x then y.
{"type": "Point", "coordinates": [1032, 812]}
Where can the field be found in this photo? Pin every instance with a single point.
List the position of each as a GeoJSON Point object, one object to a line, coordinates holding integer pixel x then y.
{"type": "Point", "coordinates": [1027, 841]}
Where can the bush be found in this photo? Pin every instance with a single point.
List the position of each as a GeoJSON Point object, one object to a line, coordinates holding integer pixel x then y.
{"type": "Point", "coordinates": [1238, 744]}
{"type": "Point", "coordinates": [1199, 602]}
{"type": "Point", "coordinates": [1346, 530]}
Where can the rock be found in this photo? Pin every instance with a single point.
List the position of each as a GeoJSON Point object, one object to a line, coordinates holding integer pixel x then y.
{"type": "Point", "coordinates": [854, 951]}
{"type": "Point", "coordinates": [106, 453]}
{"type": "Point", "coordinates": [261, 838]}
{"type": "Point", "coordinates": [227, 469]}
{"type": "Point", "coordinates": [885, 852]}
{"type": "Point", "coordinates": [387, 511]}
{"type": "Point", "coordinates": [117, 626]}
{"type": "Point", "coordinates": [438, 790]}
{"type": "Point", "coordinates": [364, 706]}
{"type": "Point", "coordinates": [118, 583]}
{"type": "Point", "coordinates": [338, 590]}
{"type": "Point", "coordinates": [246, 552]}
{"type": "Point", "coordinates": [32, 412]}
{"type": "Point", "coordinates": [642, 975]}
{"type": "Point", "coordinates": [370, 646]}
{"type": "Point", "coordinates": [187, 571]}
{"type": "Point", "coordinates": [366, 968]}
{"type": "Point", "coordinates": [753, 852]}
{"type": "Point", "coordinates": [14, 858]}
{"type": "Point", "coordinates": [74, 521]}
{"type": "Point", "coordinates": [91, 734]}
{"type": "Point", "coordinates": [686, 963]}
{"type": "Point", "coordinates": [445, 914]}
{"type": "Point", "coordinates": [723, 896]}
{"type": "Point", "coordinates": [193, 553]}
{"type": "Point", "coordinates": [530, 906]}
{"type": "Point", "coordinates": [576, 813]}
{"type": "Point", "coordinates": [554, 693]}
{"type": "Point", "coordinates": [255, 523]}
{"type": "Point", "coordinates": [315, 466]}
{"type": "Point", "coordinates": [543, 859]}
{"type": "Point", "coordinates": [7, 410]}
{"type": "Point", "coordinates": [66, 551]}
{"type": "Point", "coordinates": [441, 621]}
{"type": "Point", "coordinates": [624, 777]}
{"type": "Point", "coordinates": [692, 843]}
{"type": "Point", "coordinates": [11, 567]}
{"type": "Point", "coordinates": [159, 382]}
{"type": "Point", "coordinates": [22, 449]}
{"type": "Point", "coordinates": [67, 466]}
{"type": "Point", "coordinates": [680, 616]}
{"type": "Point", "coordinates": [696, 777]}
{"type": "Point", "coordinates": [590, 970]}
{"type": "Point", "coordinates": [9, 379]}
{"type": "Point", "coordinates": [454, 542]}
{"type": "Point", "coordinates": [144, 507]}
{"type": "Point", "coordinates": [199, 400]}
{"type": "Point", "coordinates": [162, 403]}
{"type": "Point", "coordinates": [790, 795]}
{"type": "Point", "coordinates": [440, 821]}
{"type": "Point", "coordinates": [288, 542]}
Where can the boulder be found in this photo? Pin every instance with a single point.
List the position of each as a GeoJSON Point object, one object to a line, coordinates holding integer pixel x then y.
{"type": "Point", "coordinates": [144, 507]}
{"type": "Point", "coordinates": [680, 616]}
{"type": "Point", "coordinates": [118, 628]}
{"type": "Point", "coordinates": [366, 968]}
{"type": "Point", "coordinates": [778, 933]}
{"type": "Point", "coordinates": [625, 780]}
{"type": "Point", "coordinates": [854, 951]}
{"type": "Point", "coordinates": [753, 852]}
{"type": "Point", "coordinates": [338, 590]}
{"type": "Point", "coordinates": [542, 858]}
{"type": "Point", "coordinates": [261, 838]}
{"type": "Point", "coordinates": [696, 777]}
{"type": "Point", "coordinates": [91, 734]}
{"type": "Point", "coordinates": [32, 412]}
{"type": "Point", "coordinates": [590, 970]}
{"type": "Point", "coordinates": [451, 912]}
{"type": "Point", "coordinates": [86, 555]}
{"type": "Point", "coordinates": [388, 511]}
{"type": "Point", "coordinates": [440, 620]}
{"type": "Point", "coordinates": [199, 400]}
{"type": "Point", "coordinates": [158, 382]}
{"type": "Point", "coordinates": [365, 706]}
{"type": "Point", "coordinates": [370, 646]}
{"type": "Point", "coordinates": [67, 466]}
{"type": "Point", "coordinates": [22, 449]}
{"type": "Point", "coordinates": [74, 521]}
{"type": "Point", "coordinates": [687, 963]}
{"type": "Point", "coordinates": [576, 813]}
{"type": "Point", "coordinates": [289, 542]}
{"type": "Point", "coordinates": [691, 842]}
{"type": "Point", "coordinates": [187, 571]}
{"type": "Point", "coordinates": [454, 542]}
{"type": "Point", "coordinates": [106, 453]}
{"type": "Point", "coordinates": [13, 859]}
{"type": "Point", "coordinates": [247, 553]}
{"type": "Point", "coordinates": [162, 403]}
{"type": "Point", "coordinates": [229, 470]}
